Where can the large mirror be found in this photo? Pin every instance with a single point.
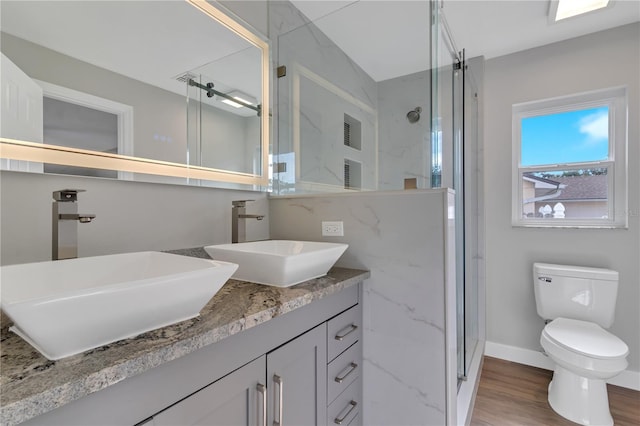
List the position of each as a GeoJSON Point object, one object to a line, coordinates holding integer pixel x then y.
{"type": "Point", "coordinates": [134, 90]}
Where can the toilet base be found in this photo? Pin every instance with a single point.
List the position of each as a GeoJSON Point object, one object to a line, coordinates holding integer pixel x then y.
{"type": "Point", "coordinates": [579, 399]}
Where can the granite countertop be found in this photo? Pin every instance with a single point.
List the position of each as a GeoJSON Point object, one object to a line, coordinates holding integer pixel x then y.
{"type": "Point", "coordinates": [31, 385]}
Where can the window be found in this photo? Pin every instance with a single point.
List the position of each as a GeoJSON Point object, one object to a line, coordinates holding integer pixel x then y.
{"type": "Point", "coordinates": [569, 164]}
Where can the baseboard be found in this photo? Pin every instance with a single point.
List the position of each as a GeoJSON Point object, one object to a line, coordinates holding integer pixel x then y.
{"type": "Point", "coordinates": [627, 379]}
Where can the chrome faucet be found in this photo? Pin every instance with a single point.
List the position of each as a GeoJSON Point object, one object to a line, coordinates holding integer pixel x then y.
{"type": "Point", "coordinates": [238, 222]}
{"type": "Point", "coordinates": [64, 242]}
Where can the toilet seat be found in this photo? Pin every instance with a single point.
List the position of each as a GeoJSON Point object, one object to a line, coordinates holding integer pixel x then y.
{"type": "Point", "coordinates": [585, 338]}
{"type": "Point", "coordinates": [584, 348]}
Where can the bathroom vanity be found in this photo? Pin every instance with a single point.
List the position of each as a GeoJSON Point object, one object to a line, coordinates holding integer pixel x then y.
{"type": "Point", "coordinates": [256, 354]}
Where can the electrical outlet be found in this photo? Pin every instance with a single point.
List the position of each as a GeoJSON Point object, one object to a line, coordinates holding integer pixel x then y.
{"type": "Point", "coordinates": [332, 229]}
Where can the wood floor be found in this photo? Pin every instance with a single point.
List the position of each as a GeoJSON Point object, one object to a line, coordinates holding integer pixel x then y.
{"type": "Point", "coordinates": [516, 394]}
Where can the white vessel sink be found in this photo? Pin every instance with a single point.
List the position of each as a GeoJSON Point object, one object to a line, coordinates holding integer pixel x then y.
{"type": "Point", "coordinates": [66, 307]}
{"type": "Point", "coordinates": [280, 263]}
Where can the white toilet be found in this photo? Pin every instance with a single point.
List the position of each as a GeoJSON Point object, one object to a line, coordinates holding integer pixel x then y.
{"type": "Point", "coordinates": [580, 302]}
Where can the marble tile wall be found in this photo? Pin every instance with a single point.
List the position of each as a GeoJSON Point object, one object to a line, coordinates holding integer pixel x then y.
{"type": "Point", "coordinates": [400, 237]}
{"type": "Point", "coordinates": [404, 148]}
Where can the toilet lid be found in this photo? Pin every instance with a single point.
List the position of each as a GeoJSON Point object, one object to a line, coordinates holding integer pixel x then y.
{"type": "Point", "coordinates": [586, 338]}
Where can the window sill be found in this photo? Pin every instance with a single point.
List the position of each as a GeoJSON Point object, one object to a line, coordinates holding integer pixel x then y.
{"type": "Point", "coordinates": [550, 223]}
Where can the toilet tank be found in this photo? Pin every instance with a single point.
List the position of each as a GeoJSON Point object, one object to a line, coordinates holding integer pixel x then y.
{"type": "Point", "coordinates": [575, 292]}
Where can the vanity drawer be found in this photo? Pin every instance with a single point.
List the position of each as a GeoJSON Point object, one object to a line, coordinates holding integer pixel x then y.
{"type": "Point", "coordinates": [346, 407]}
{"type": "Point", "coordinates": [343, 371]}
{"type": "Point", "coordinates": [343, 331]}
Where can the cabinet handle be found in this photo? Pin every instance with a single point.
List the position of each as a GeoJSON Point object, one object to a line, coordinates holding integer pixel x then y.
{"type": "Point", "coordinates": [346, 331]}
{"type": "Point", "coordinates": [278, 381]}
{"type": "Point", "coordinates": [340, 377]}
{"type": "Point", "coordinates": [263, 391]}
{"type": "Point", "coordinates": [352, 405]}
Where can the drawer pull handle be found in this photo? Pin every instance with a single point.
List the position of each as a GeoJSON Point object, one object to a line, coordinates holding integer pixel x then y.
{"type": "Point", "coordinates": [346, 331]}
{"type": "Point", "coordinates": [352, 405]}
{"type": "Point", "coordinates": [340, 377]}
{"type": "Point", "coordinates": [278, 381]}
{"type": "Point", "coordinates": [263, 391]}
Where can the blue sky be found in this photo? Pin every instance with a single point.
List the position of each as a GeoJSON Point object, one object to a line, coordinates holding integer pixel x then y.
{"type": "Point", "coordinates": [566, 137]}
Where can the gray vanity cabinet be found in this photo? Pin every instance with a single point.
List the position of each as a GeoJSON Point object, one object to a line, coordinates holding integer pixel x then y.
{"type": "Point", "coordinates": [236, 399]}
{"type": "Point", "coordinates": [294, 393]}
{"type": "Point", "coordinates": [344, 368]}
{"type": "Point", "coordinates": [272, 374]}
{"type": "Point", "coordinates": [297, 379]}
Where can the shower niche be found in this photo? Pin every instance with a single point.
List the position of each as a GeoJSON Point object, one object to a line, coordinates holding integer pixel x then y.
{"type": "Point", "coordinates": [352, 132]}
{"type": "Point", "coordinates": [353, 140]}
{"type": "Point", "coordinates": [352, 174]}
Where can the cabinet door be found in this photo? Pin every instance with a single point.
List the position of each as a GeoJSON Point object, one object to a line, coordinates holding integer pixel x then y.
{"type": "Point", "coordinates": [236, 399]}
{"type": "Point", "coordinates": [297, 381]}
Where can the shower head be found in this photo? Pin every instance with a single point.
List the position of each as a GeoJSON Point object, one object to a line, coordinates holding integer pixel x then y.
{"type": "Point", "coordinates": [414, 115]}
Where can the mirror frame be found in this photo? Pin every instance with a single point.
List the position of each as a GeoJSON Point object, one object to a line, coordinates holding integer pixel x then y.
{"type": "Point", "coordinates": [13, 149]}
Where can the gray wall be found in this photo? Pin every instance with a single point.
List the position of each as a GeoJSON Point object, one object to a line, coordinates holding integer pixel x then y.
{"type": "Point", "coordinates": [606, 59]}
{"type": "Point", "coordinates": [131, 216]}
{"type": "Point", "coordinates": [228, 141]}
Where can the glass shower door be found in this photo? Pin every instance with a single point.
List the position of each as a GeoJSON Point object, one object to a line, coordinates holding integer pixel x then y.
{"type": "Point", "coordinates": [454, 158]}
{"type": "Point", "coordinates": [472, 216]}
{"type": "Point", "coordinates": [447, 159]}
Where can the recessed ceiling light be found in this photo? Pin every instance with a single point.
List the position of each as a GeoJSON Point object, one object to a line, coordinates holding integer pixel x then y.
{"type": "Point", "coordinates": [563, 9]}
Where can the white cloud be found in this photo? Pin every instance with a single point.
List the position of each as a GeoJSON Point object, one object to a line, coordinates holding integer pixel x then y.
{"type": "Point", "coordinates": [596, 126]}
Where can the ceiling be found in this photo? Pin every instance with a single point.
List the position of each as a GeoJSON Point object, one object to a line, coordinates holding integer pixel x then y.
{"type": "Point", "coordinates": [496, 28]}
{"type": "Point", "coordinates": [391, 38]}
{"type": "Point", "coordinates": [387, 38]}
